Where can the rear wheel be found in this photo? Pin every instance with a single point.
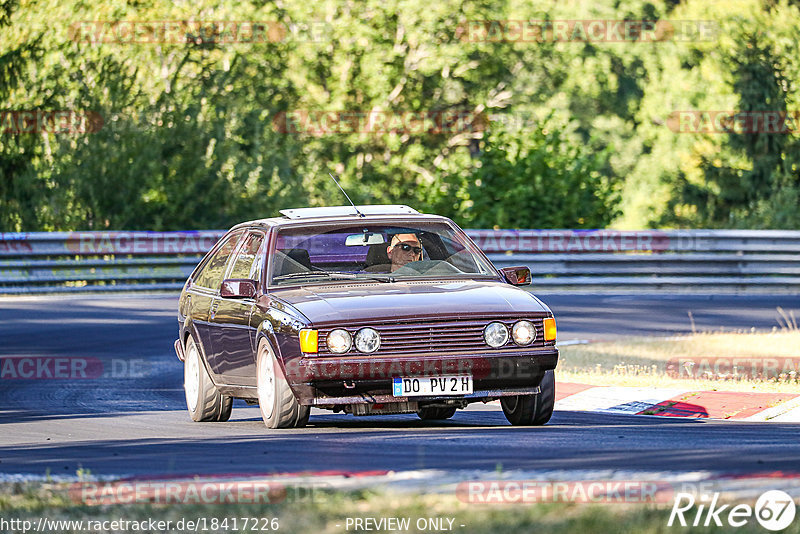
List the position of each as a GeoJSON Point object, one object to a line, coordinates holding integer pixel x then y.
{"type": "Point", "coordinates": [532, 410]}
{"type": "Point", "coordinates": [203, 400]}
{"type": "Point", "coordinates": [434, 413]}
{"type": "Point", "coordinates": [278, 405]}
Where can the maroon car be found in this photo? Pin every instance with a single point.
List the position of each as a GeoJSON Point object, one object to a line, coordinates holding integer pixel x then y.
{"type": "Point", "coordinates": [382, 310]}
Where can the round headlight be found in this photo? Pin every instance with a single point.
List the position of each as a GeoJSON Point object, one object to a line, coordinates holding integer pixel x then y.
{"type": "Point", "coordinates": [368, 340]}
{"type": "Point", "coordinates": [523, 333]}
{"type": "Point", "coordinates": [339, 341]}
{"type": "Point", "coordinates": [496, 334]}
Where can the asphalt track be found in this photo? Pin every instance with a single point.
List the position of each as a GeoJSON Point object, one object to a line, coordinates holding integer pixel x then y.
{"type": "Point", "coordinates": [134, 422]}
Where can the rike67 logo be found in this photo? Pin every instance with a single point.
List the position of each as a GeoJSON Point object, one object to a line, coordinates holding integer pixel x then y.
{"type": "Point", "coordinates": [774, 510]}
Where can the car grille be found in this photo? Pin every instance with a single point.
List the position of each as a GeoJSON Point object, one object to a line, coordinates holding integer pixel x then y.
{"type": "Point", "coordinates": [435, 336]}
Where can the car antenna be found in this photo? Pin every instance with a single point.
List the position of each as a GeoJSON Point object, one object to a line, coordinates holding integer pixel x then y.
{"type": "Point", "coordinates": [345, 195]}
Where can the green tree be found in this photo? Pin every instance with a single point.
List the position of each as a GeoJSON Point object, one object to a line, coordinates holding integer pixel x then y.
{"type": "Point", "coordinates": [756, 168]}
{"type": "Point", "coordinates": [190, 139]}
{"type": "Point", "coordinates": [542, 179]}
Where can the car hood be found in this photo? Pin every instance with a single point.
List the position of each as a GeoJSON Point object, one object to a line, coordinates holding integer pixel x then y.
{"type": "Point", "coordinates": [420, 299]}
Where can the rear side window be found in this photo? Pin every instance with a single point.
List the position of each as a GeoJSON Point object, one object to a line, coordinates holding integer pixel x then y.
{"type": "Point", "coordinates": [210, 275]}
{"type": "Point", "coordinates": [243, 264]}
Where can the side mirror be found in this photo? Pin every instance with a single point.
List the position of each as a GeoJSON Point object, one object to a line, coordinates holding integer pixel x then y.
{"type": "Point", "coordinates": [238, 288]}
{"type": "Point", "coordinates": [517, 276]}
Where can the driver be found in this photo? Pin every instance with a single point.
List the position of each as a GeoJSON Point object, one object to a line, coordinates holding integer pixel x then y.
{"type": "Point", "coordinates": [404, 248]}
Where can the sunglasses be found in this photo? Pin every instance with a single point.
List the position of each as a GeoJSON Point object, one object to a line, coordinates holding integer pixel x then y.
{"type": "Point", "coordinates": [405, 247]}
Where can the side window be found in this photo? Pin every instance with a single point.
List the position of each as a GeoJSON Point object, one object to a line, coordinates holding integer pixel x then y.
{"type": "Point", "coordinates": [211, 274]}
{"type": "Point", "coordinates": [243, 264]}
{"type": "Point", "coordinates": [259, 263]}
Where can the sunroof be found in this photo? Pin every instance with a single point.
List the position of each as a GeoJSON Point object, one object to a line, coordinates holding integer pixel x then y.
{"type": "Point", "coordinates": [339, 211]}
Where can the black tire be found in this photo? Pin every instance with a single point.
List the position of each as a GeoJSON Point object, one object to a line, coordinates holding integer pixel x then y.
{"type": "Point", "coordinates": [276, 402]}
{"type": "Point", "coordinates": [203, 400]}
{"type": "Point", "coordinates": [532, 410]}
{"type": "Point", "coordinates": [434, 413]}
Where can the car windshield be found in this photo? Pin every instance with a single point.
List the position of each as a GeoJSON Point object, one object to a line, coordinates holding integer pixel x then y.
{"type": "Point", "coordinates": [382, 252]}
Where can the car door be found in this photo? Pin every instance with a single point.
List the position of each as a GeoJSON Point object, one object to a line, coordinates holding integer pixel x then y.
{"type": "Point", "coordinates": [204, 292]}
{"type": "Point", "coordinates": [232, 333]}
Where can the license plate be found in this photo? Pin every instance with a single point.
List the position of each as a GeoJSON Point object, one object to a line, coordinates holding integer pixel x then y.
{"type": "Point", "coordinates": [431, 385]}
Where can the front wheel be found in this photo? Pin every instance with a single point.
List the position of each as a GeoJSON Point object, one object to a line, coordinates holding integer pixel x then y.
{"type": "Point", "coordinates": [278, 405]}
{"type": "Point", "coordinates": [203, 400]}
{"type": "Point", "coordinates": [532, 410]}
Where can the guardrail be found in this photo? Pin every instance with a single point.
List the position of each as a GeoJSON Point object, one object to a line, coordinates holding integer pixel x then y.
{"type": "Point", "coordinates": [726, 260]}
{"type": "Point", "coordinates": [100, 261]}
{"type": "Point", "coordinates": [559, 259]}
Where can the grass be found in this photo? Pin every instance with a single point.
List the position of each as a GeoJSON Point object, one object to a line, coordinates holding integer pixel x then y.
{"type": "Point", "coordinates": [327, 513]}
{"type": "Point", "coordinates": [690, 361]}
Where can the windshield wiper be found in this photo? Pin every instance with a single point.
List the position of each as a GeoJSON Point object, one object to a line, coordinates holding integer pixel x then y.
{"type": "Point", "coordinates": [365, 276]}
{"type": "Point", "coordinates": [334, 275]}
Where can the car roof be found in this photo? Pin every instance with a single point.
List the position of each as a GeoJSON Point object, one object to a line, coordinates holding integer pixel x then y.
{"type": "Point", "coordinates": [339, 211]}
{"type": "Point", "coordinates": [383, 212]}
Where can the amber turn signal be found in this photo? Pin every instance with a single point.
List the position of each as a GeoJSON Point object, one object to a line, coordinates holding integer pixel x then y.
{"type": "Point", "coordinates": [550, 329]}
{"type": "Point", "coordinates": [309, 341]}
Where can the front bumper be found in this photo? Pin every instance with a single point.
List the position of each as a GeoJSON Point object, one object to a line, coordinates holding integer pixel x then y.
{"type": "Point", "coordinates": [179, 350]}
{"type": "Point", "coordinates": [366, 398]}
{"type": "Point", "coordinates": [356, 380]}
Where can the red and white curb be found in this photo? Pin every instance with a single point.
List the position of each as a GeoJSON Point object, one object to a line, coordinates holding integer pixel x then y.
{"type": "Point", "coordinates": [671, 402]}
